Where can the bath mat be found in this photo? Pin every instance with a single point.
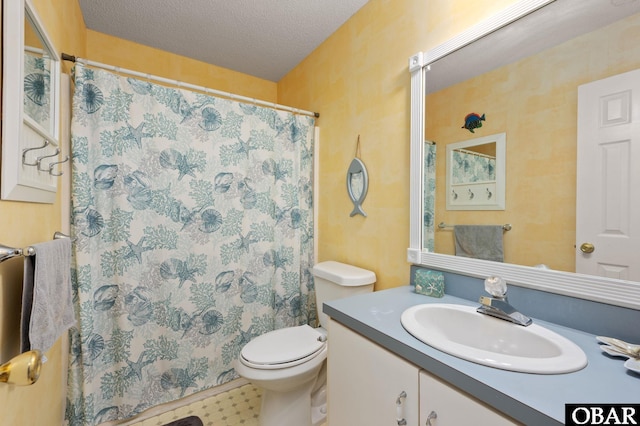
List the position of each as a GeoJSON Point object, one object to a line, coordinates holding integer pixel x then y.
{"type": "Point", "coordinates": [187, 421]}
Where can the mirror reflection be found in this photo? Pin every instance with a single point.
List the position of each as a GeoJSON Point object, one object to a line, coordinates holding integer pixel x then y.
{"type": "Point", "coordinates": [37, 78]}
{"type": "Point", "coordinates": [476, 174]}
{"type": "Point", "coordinates": [534, 100]}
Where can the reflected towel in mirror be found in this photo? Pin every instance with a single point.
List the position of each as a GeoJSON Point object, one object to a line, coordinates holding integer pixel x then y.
{"type": "Point", "coordinates": [479, 241]}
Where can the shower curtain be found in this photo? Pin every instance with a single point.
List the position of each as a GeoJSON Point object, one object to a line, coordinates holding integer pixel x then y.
{"type": "Point", "coordinates": [193, 227]}
{"type": "Point", "coordinates": [429, 196]}
{"type": "Point", "coordinates": [467, 167]}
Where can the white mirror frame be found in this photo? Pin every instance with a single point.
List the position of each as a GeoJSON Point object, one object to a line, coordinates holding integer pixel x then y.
{"type": "Point", "coordinates": [20, 182]}
{"type": "Point", "coordinates": [606, 290]}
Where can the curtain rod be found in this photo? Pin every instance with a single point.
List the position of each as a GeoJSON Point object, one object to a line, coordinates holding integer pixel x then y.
{"type": "Point", "coordinates": [477, 154]}
{"type": "Point", "coordinates": [67, 57]}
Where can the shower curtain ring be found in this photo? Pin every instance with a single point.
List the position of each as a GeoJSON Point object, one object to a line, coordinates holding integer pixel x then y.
{"type": "Point", "coordinates": [24, 153]}
{"type": "Point", "coordinates": [52, 165]}
{"type": "Point", "coordinates": [39, 159]}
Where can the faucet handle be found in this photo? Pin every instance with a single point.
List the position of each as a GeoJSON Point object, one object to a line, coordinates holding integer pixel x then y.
{"type": "Point", "coordinates": [495, 286]}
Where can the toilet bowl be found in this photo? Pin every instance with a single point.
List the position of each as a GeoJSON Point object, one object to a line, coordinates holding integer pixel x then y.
{"type": "Point", "coordinates": [289, 363]}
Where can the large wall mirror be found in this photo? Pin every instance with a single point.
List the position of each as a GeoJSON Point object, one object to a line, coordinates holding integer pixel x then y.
{"type": "Point", "coordinates": [521, 69]}
{"type": "Point", "coordinates": [30, 107]}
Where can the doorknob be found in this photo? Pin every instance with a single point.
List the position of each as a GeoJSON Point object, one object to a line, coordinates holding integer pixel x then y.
{"type": "Point", "coordinates": [587, 248]}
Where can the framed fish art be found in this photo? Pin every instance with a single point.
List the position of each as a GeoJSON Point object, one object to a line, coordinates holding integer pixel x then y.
{"type": "Point", "coordinates": [357, 183]}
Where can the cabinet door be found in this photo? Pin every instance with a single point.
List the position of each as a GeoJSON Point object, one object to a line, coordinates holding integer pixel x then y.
{"type": "Point", "coordinates": [366, 384]}
{"type": "Point", "coordinates": [453, 407]}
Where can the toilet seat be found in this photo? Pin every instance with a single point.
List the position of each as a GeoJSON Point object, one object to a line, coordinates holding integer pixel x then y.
{"type": "Point", "coordinates": [283, 348]}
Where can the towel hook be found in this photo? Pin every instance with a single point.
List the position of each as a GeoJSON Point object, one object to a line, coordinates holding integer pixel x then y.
{"type": "Point", "coordinates": [24, 153]}
{"type": "Point", "coordinates": [39, 159]}
{"type": "Point", "coordinates": [52, 165]}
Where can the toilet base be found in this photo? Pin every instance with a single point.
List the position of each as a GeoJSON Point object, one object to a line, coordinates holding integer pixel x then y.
{"type": "Point", "coordinates": [291, 408]}
{"type": "Point", "coordinates": [319, 406]}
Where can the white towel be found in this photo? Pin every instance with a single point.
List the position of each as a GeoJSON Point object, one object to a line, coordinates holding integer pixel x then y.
{"type": "Point", "coordinates": [47, 307]}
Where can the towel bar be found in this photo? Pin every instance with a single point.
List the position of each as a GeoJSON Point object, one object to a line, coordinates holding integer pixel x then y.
{"type": "Point", "coordinates": [442, 225]}
{"type": "Point", "coordinates": [7, 252]}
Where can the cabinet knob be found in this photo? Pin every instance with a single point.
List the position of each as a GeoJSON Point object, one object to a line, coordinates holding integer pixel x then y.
{"type": "Point", "coordinates": [432, 415]}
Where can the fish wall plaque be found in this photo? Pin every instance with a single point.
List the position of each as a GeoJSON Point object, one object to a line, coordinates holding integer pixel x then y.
{"type": "Point", "coordinates": [473, 121]}
{"type": "Point", "coordinates": [357, 185]}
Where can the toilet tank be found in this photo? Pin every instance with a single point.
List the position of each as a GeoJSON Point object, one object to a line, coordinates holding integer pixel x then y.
{"type": "Point", "coordinates": [335, 280]}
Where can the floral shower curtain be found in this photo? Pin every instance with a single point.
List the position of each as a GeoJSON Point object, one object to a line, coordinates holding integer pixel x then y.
{"type": "Point", "coordinates": [469, 167]}
{"type": "Point", "coordinates": [192, 219]}
{"type": "Point", "coordinates": [429, 196]}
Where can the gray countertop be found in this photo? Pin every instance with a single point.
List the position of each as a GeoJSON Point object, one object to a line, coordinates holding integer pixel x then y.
{"type": "Point", "coordinates": [528, 398]}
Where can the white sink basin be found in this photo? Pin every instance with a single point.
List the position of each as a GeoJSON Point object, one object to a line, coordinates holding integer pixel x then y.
{"type": "Point", "coordinates": [462, 332]}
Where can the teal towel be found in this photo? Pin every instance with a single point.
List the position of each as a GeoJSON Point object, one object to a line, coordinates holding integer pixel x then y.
{"type": "Point", "coordinates": [429, 283]}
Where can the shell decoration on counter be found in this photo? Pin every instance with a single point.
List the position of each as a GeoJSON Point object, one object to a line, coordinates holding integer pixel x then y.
{"type": "Point", "coordinates": [619, 348]}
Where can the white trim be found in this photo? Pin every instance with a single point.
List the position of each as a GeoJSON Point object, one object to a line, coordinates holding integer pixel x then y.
{"type": "Point", "coordinates": [416, 67]}
{"type": "Point", "coordinates": [599, 289]}
{"type": "Point", "coordinates": [190, 86]}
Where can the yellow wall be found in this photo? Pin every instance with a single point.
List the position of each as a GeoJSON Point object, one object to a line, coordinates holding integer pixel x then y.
{"type": "Point", "coordinates": [359, 82]}
{"type": "Point", "coordinates": [28, 223]}
{"type": "Point", "coordinates": [24, 224]}
{"type": "Point", "coordinates": [125, 54]}
{"type": "Point", "coordinates": [535, 102]}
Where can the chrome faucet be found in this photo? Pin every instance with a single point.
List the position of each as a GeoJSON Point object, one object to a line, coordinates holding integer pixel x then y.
{"type": "Point", "coordinates": [498, 306]}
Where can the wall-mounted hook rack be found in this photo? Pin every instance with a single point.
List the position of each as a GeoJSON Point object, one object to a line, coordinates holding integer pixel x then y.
{"type": "Point", "coordinates": [39, 159]}
{"type": "Point", "coordinates": [52, 165]}
{"type": "Point", "coordinates": [24, 153]}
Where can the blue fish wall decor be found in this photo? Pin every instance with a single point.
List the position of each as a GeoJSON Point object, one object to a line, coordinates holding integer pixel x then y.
{"type": "Point", "coordinates": [473, 121]}
{"type": "Point", "coordinates": [357, 185]}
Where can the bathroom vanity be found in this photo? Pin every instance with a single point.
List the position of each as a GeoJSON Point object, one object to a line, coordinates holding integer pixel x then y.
{"type": "Point", "coordinates": [381, 380]}
{"type": "Point", "coordinates": [379, 374]}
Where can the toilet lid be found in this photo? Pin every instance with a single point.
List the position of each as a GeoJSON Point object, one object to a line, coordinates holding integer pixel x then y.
{"type": "Point", "coordinates": [283, 346]}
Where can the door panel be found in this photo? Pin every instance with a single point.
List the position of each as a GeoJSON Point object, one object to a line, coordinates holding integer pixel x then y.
{"type": "Point", "coordinates": [608, 177]}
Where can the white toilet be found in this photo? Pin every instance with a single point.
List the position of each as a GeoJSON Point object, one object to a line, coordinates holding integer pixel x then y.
{"type": "Point", "coordinates": [289, 363]}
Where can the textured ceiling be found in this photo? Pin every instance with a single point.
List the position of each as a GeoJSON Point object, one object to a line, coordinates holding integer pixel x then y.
{"type": "Point", "coordinates": [263, 38]}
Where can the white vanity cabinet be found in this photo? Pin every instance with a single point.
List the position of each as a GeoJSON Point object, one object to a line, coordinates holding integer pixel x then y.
{"type": "Point", "coordinates": [368, 385]}
{"type": "Point", "coordinates": [447, 406]}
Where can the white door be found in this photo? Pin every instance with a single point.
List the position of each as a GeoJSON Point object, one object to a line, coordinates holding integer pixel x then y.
{"type": "Point", "coordinates": [608, 178]}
